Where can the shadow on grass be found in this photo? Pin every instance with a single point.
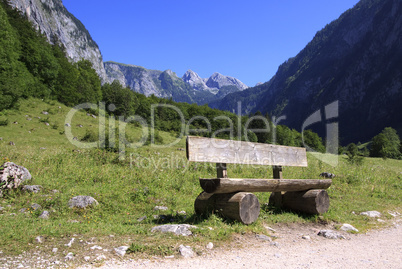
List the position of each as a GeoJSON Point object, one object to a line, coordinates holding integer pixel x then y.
{"type": "Point", "coordinates": [273, 210]}
{"type": "Point", "coordinates": [180, 219]}
{"type": "Point", "coordinates": [194, 219]}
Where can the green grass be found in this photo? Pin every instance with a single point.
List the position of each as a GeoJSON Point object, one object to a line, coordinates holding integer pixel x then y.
{"type": "Point", "coordinates": [130, 189]}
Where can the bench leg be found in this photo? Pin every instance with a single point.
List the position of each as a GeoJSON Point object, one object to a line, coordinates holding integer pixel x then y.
{"type": "Point", "coordinates": [310, 202]}
{"type": "Point", "coordinates": [240, 206]}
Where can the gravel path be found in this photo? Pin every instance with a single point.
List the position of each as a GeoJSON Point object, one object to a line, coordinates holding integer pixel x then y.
{"type": "Point", "coordinates": [376, 249]}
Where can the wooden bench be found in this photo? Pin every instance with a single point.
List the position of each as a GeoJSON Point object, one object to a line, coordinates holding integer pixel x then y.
{"type": "Point", "coordinates": [233, 197]}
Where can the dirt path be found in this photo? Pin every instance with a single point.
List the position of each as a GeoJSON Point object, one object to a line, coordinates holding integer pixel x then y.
{"type": "Point", "coordinates": [376, 249]}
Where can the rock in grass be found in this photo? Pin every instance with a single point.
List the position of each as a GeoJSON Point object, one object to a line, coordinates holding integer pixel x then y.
{"type": "Point", "coordinates": [330, 234]}
{"type": "Point", "coordinates": [186, 251]}
{"type": "Point", "coordinates": [121, 251]}
{"type": "Point", "coordinates": [35, 206]}
{"type": "Point", "coordinates": [44, 215]}
{"type": "Point", "coordinates": [347, 227]}
{"type": "Point", "coordinates": [40, 239]}
{"type": "Point", "coordinates": [371, 214]}
{"type": "Point", "coordinates": [32, 188]}
{"type": "Point", "coordinates": [142, 218]}
{"type": "Point", "coordinates": [327, 175]}
{"type": "Point", "coordinates": [160, 208]}
{"type": "Point", "coordinates": [12, 176]}
{"type": "Point", "coordinates": [82, 202]}
{"type": "Point", "coordinates": [178, 229]}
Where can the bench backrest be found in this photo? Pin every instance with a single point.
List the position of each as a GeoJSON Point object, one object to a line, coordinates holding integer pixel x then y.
{"type": "Point", "coordinates": [201, 149]}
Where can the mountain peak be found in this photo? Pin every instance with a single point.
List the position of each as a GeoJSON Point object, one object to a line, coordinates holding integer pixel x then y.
{"type": "Point", "coordinates": [194, 80]}
{"type": "Point", "coordinates": [218, 80]}
{"type": "Point", "coordinates": [170, 73]}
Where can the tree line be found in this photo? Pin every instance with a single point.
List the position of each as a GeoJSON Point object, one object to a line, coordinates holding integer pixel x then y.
{"type": "Point", "coordinates": [32, 67]}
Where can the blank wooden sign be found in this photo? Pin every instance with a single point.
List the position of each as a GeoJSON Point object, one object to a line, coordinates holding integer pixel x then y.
{"type": "Point", "coordinates": [201, 149]}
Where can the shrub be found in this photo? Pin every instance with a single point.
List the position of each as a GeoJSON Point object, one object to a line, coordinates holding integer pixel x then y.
{"type": "Point", "coordinates": [353, 154]}
{"type": "Point", "coordinates": [90, 136]}
{"type": "Point", "coordinates": [3, 121]}
{"type": "Point", "coordinates": [386, 144]}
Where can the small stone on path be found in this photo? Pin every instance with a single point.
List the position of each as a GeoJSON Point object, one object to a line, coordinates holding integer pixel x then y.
{"type": "Point", "coordinates": [101, 257]}
{"type": "Point", "coordinates": [263, 237]}
{"type": "Point", "coordinates": [40, 239]}
{"type": "Point", "coordinates": [347, 227]}
{"type": "Point", "coordinates": [69, 256]}
{"type": "Point", "coordinates": [330, 234]}
{"type": "Point", "coordinates": [186, 251]}
{"type": "Point", "coordinates": [70, 243]}
{"type": "Point", "coordinates": [121, 251]}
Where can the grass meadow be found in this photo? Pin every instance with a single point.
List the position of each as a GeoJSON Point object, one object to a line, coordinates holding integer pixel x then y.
{"type": "Point", "coordinates": [153, 176]}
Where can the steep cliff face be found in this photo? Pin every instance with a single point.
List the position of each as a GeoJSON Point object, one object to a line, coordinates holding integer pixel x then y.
{"type": "Point", "coordinates": [54, 20]}
{"type": "Point", "coordinates": [190, 88]}
{"type": "Point", "coordinates": [355, 60]}
{"type": "Point", "coordinates": [135, 77]}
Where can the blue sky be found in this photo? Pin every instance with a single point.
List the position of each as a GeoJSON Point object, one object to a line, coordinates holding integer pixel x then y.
{"type": "Point", "coordinates": [243, 39]}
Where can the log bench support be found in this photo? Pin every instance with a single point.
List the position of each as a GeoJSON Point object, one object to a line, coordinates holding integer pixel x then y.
{"type": "Point", "coordinates": [310, 202]}
{"type": "Point", "coordinates": [240, 206]}
{"type": "Point", "coordinates": [232, 197]}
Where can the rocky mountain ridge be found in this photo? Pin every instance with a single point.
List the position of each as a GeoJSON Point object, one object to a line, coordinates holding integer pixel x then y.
{"type": "Point", "coordinates": [54, 20]}
{"type": "Point", "coordinates": [59, 25]}
{"type": "Point", "coordinates": [354, 60]}
{"type": "Point", "coordinates": [189, 88]}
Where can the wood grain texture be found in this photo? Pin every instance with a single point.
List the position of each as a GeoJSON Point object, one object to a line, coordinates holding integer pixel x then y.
{"type": "Point", "coordinates": [201, 149]}
{"type": "Point", "coordinates": [229, 185]}
{"type": "Point", "coordinates": [204, 204]}
{"type": "Point", "coordinates": [310, 202]}
{"type": "Point", "coordinates": [240, 206]}
{"type": "Point", "coordinates": [278, 174]}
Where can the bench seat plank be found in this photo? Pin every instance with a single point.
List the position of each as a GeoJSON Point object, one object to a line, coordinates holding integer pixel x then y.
{"type": "Point", "coordinates": [229, 185]}
{"type": "Point", "coordinates": [201, 149]}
